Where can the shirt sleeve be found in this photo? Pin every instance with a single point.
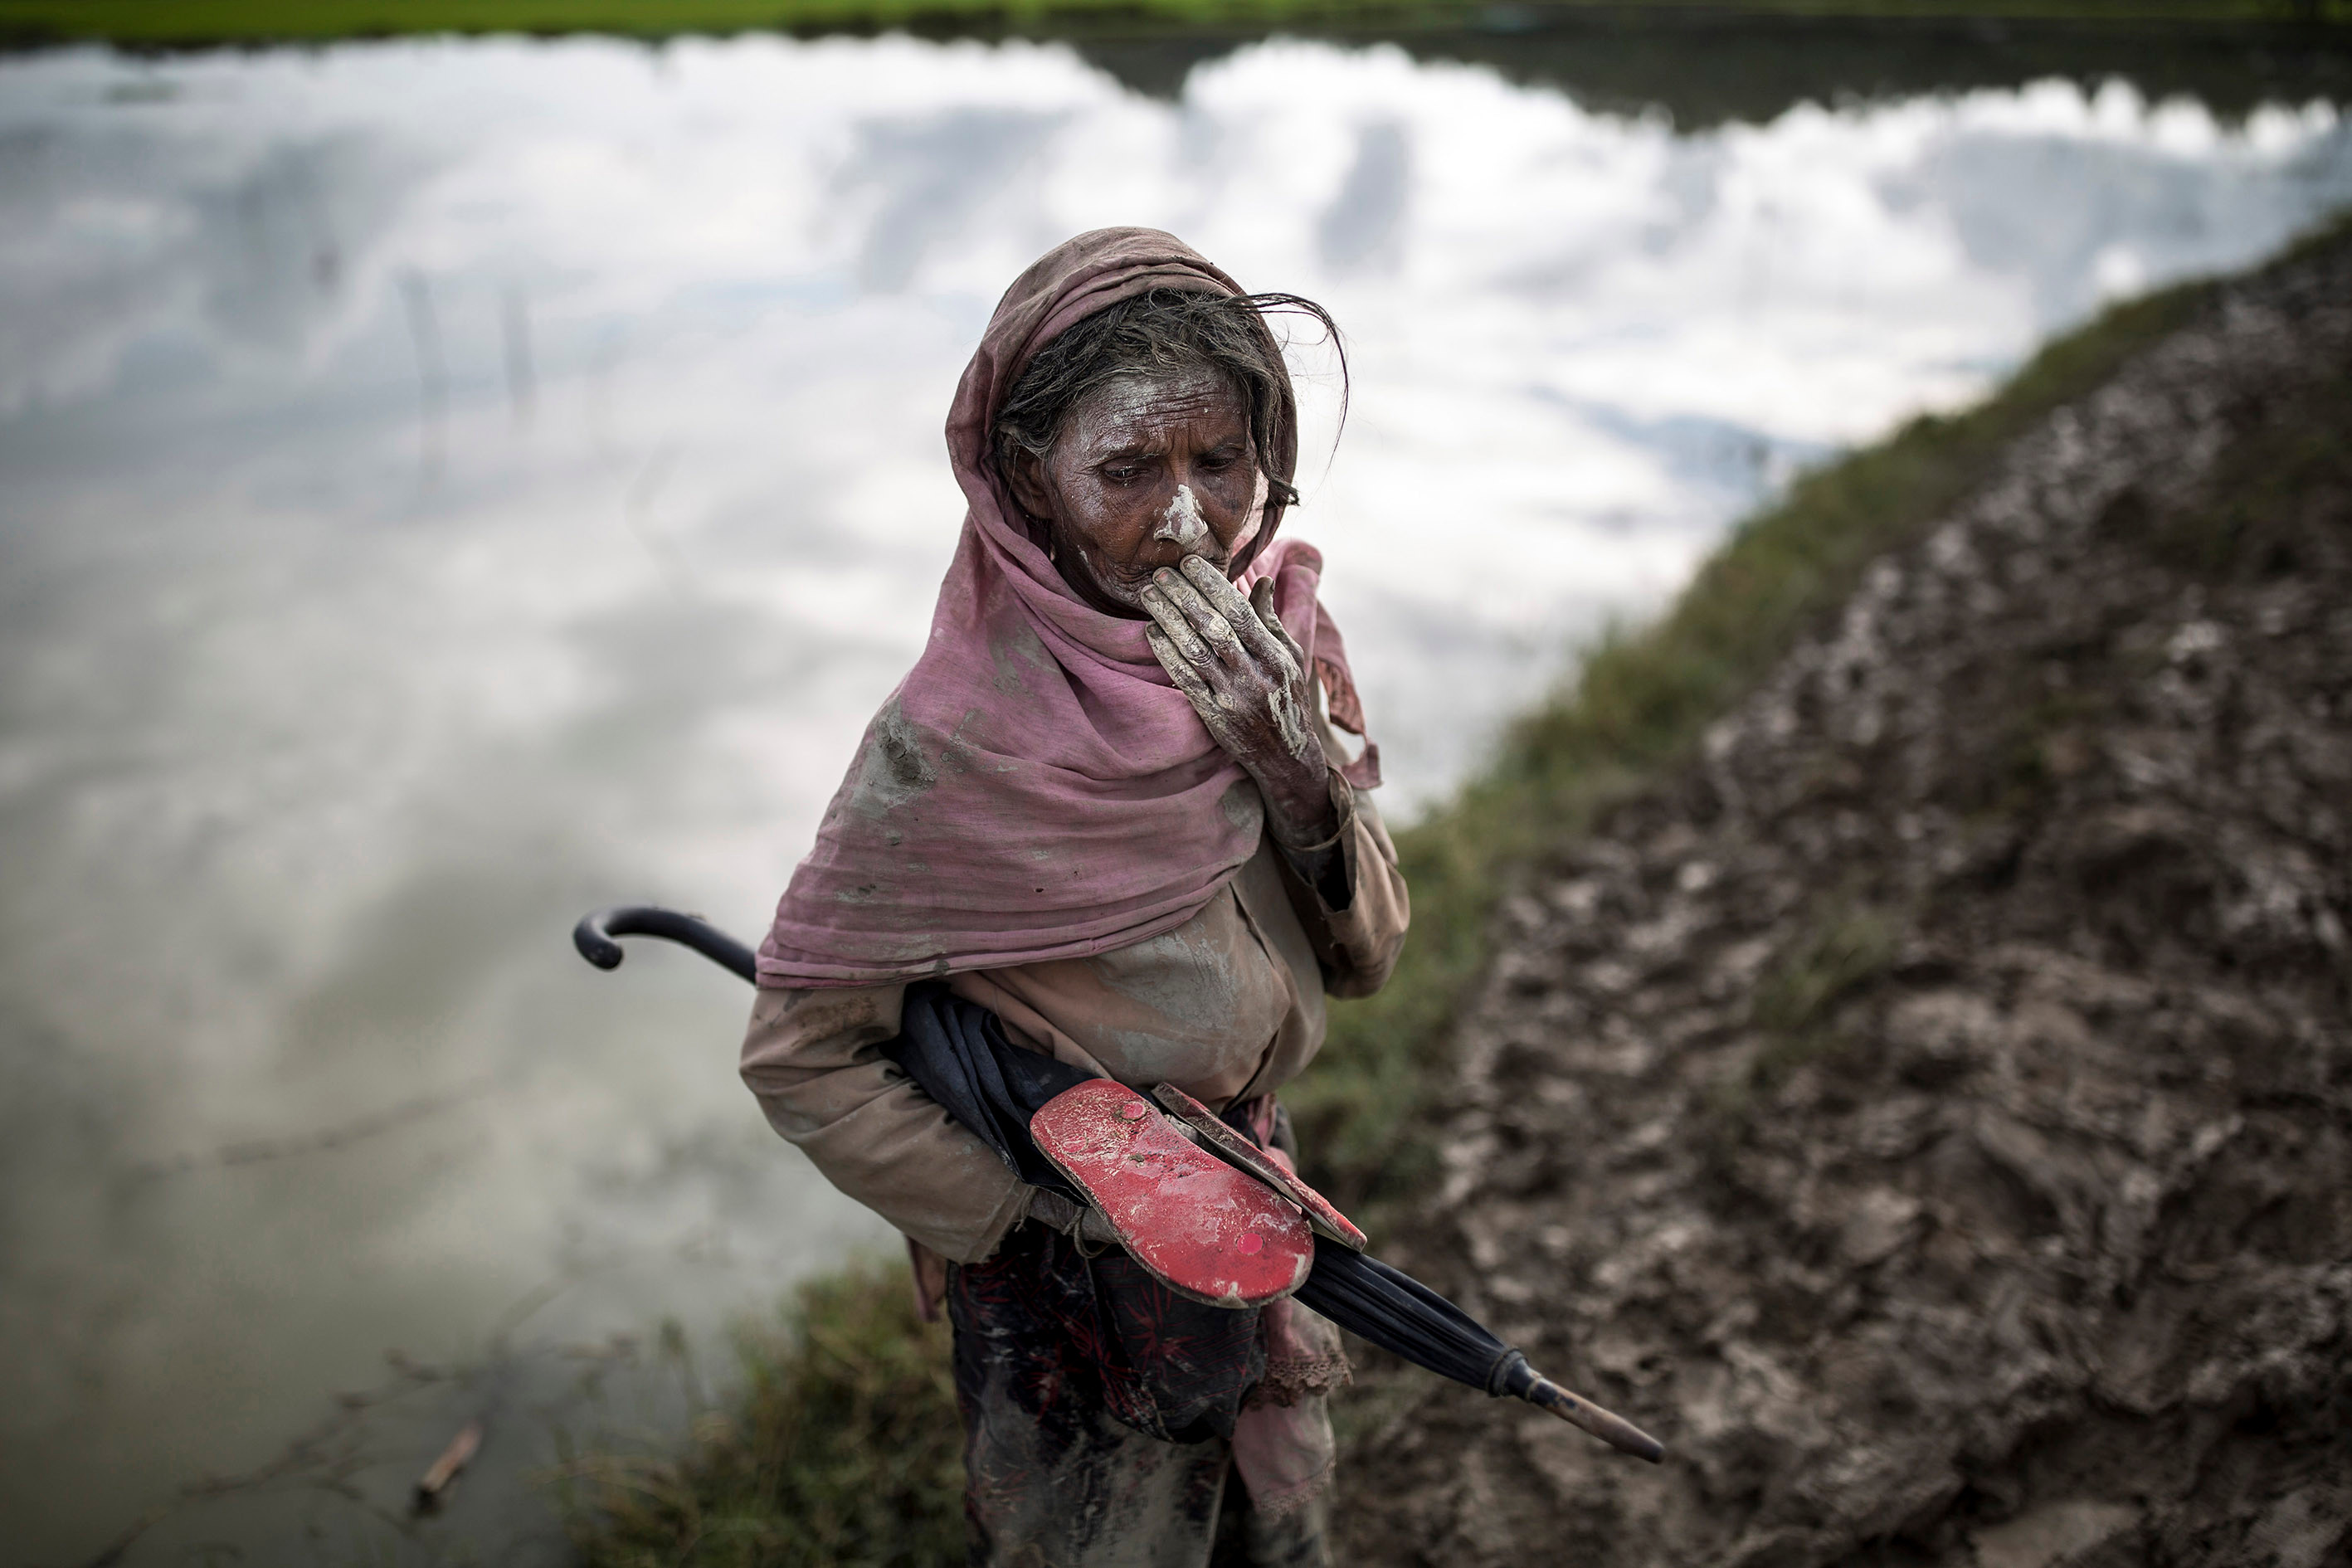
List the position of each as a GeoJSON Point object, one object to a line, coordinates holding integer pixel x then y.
{"type": "Point", "coordinates": [813, 1060]}
{"type": "Point", "coordinates": [1350, 896]}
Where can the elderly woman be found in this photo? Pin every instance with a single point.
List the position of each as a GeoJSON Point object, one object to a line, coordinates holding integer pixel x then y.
{"type": "Point", "coordinates": [1108, 807]}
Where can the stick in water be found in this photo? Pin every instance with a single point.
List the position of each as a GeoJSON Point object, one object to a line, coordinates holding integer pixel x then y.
{"type": "Point", "coordinates": [434, 1484]}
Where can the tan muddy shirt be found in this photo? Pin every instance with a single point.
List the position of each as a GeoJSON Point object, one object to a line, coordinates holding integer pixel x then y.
{"type": "Point", "coordinates": [1227, 1006]}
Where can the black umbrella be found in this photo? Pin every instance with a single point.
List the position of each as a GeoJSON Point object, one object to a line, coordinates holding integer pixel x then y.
{"type": "Point", "coordinates": [1398, 1313]}
{"type": "Point", "coordinates": [959, 1058]}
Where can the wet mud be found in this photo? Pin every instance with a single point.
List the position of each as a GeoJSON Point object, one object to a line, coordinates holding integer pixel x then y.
{"type": "Point", "coordinates": [1930, 1111]}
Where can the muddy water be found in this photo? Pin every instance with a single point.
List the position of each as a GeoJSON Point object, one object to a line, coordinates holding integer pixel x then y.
{"type": "Point", "coordinates": [446, 485]}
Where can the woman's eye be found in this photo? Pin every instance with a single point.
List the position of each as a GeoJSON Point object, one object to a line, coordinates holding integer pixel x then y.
{"type": "Point", "coordinates": [1122, 473]}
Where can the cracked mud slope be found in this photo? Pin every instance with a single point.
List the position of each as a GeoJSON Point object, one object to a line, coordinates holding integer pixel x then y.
{"type": "Point", "coordinates": [1930, 1111]}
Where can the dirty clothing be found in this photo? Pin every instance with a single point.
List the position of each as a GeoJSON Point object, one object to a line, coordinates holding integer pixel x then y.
{"type": "Point", "coordinates": [1038, 817]}
{"type": "Point", "coordinates": [1037, 787]}
{"type": "Point", "coordinates": [1227, 1006]}
{"type": "Point", "coordinates": [1069, 1469]}
{"type": "Point", "coordinates": [1063, 1473]}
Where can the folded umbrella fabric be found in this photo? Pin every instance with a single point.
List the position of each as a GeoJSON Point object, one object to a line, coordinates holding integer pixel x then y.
{"type": "Point", "coordinates": [1197, 1224]}
{"type": "Point", "coordinates": [956, 1052]}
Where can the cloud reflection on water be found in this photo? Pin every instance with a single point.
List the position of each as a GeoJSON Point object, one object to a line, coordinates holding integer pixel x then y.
{"type": "Point", "coordinates": [448, 484]}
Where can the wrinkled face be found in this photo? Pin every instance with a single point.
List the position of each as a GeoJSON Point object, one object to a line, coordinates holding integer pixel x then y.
{"type": "Point", "coordinates": [1148, 469]}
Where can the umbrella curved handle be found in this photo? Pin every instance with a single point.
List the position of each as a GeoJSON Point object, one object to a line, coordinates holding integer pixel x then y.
{"type": "Point", "coordinates": [593, 936]}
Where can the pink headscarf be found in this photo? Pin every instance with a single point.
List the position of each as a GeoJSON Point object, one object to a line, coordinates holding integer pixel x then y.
{"type": "Point", "coordinates": [1036, 788]}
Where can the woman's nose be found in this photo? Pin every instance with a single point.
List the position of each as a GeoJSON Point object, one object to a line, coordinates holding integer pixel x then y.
{"type": "Point", "coordinates": [1182, 518]}
{"type": "Point", "coordinates": [1207, 491]}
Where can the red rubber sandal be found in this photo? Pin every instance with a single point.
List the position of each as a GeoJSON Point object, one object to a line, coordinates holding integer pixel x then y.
{"type": "Point", "coordinates": [1236, 1150]}
{"type": "Point", "coordinates": [1197, 1225]}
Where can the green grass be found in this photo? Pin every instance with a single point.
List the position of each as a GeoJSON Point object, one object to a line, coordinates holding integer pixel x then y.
{"type": "Point", "coordinates": [1845, 950]}
{"type": "Point", "coordinates": [843, 1448]}
{"type": "Point", "coordinates": [154, 23]}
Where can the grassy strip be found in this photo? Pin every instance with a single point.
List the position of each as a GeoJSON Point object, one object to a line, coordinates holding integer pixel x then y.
{"type": "Point", "coordinates": [845, 1449]}
{"type": "Point", "coordinates": [163, 23]}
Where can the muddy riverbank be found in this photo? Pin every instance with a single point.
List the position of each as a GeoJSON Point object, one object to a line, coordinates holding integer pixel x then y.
{"type": "Point", "coordinates": [1927, 1110]}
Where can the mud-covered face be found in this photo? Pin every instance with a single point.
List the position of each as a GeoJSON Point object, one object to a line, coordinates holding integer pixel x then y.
{"type": "Point", "coordinates": [1148, 470]}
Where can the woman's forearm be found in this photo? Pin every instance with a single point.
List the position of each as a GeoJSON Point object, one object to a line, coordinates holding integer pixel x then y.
{"type": "Point", "coordinates": [1320, 858]}
{"type": "Point", "coordinates": [1351, 898]}
{"type": "Point", "coordinates": [813, 1060]}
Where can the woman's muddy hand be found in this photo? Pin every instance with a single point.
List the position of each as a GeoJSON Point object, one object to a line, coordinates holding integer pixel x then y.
{"type": "Point", "coordinates": [1248, 680]}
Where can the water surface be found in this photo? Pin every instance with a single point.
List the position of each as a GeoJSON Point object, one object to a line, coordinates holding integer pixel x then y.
{"type": "Point", "coordinates": [446, 485]}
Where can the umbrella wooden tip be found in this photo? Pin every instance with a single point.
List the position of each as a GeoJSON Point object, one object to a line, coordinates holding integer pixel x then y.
{"type": "Point", "coordinates": [1606, 1424]}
